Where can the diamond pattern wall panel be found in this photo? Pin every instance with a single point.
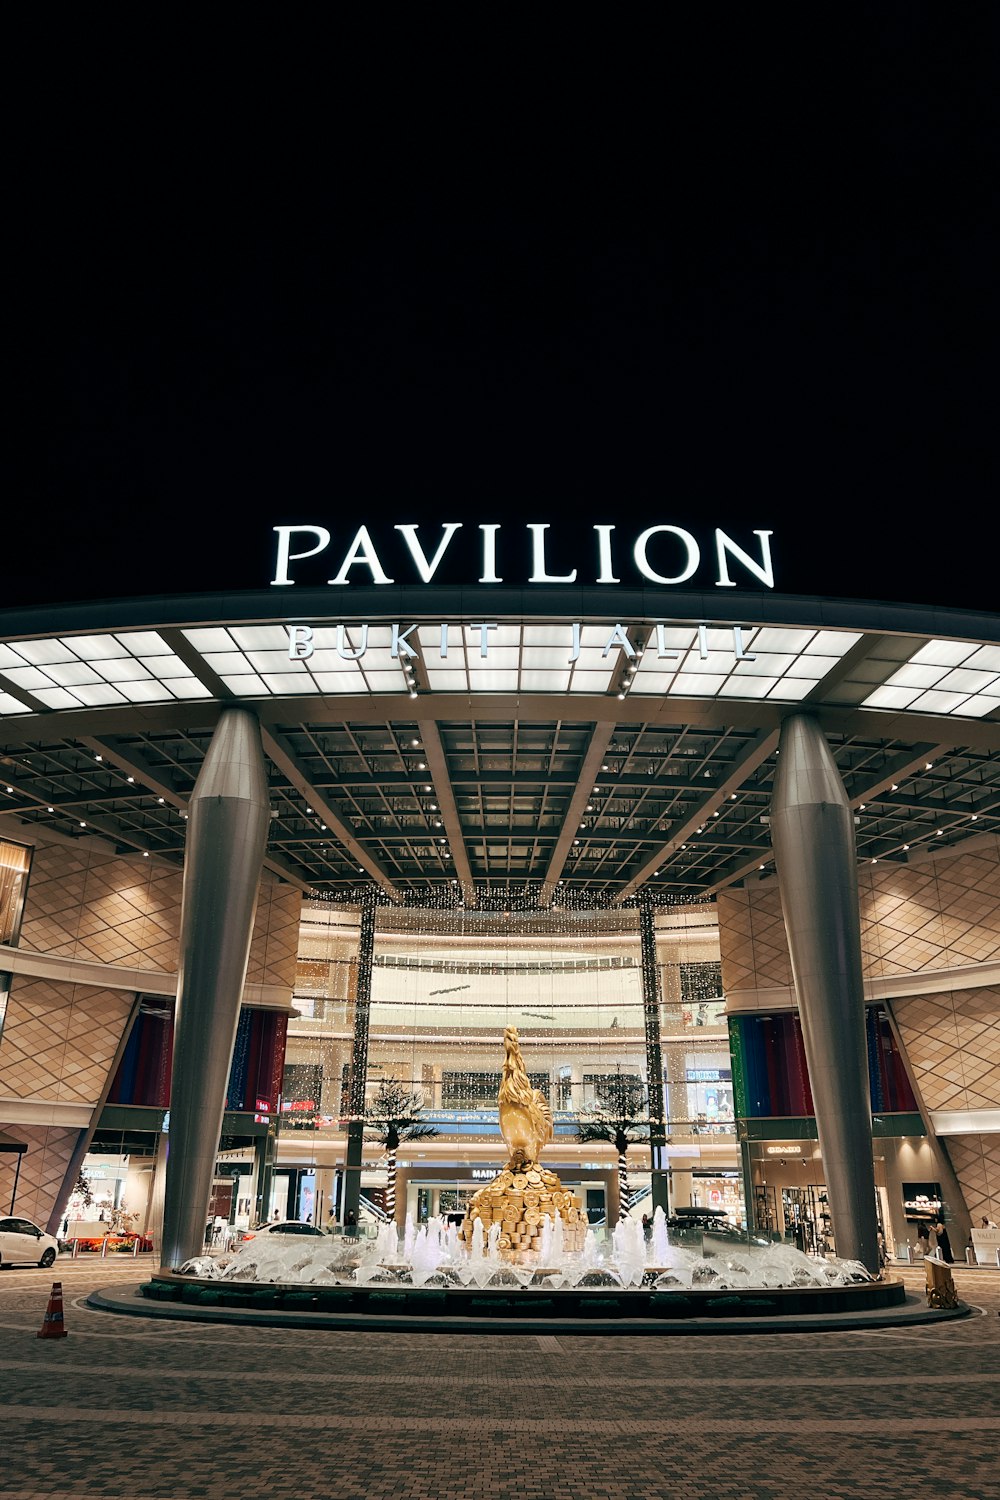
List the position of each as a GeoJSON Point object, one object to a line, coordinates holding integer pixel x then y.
{"type": "Point", "coordinates": [82, 903]}
{"type": "Point", "coordinates": [43, 1167]}
{"type": "Point", "coordinates": [59, 1040]}
{"type": "Point", "coordinates": [752, 938]}
{"type": "Point", "coordinates": [914, 918]}
{"type": "Point", "coordinates": [275, 943]}
{"type": "Point", "coordinates": [952, 1041]}
{"type": "Point", "coordinates": [976, 1160]}
{"type": "Point", "coordinates": [933, 914]}
{"type": "Point", "coordinates": [85, 904]}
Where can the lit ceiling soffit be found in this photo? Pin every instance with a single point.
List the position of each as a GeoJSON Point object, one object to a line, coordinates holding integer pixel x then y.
{"type": "Point", "coordinates": [253, 661]}
{"type": "Point", "coordinates": [773, 663]}
{"type": "Point", "coordinates": [944, 677]}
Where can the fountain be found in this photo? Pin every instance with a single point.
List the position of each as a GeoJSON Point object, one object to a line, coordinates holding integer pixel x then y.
{"type": "Point", "coordinates": [526, 1237]}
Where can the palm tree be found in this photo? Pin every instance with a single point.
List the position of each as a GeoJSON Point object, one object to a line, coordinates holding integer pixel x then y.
{"type": "Point", "coordinates": [393, 1116]}
{"type": "Point", "coordinates": [620, 1117]}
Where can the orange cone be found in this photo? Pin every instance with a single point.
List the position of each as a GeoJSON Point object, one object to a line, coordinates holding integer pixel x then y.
{"type": "Point", "coordinates": [53, 1326]}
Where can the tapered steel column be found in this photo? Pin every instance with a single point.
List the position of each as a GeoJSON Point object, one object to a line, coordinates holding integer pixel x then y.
{"type": "Point", "coordinates": [812, 831]}
{"type": "Point", "coordinates": [228, 819]}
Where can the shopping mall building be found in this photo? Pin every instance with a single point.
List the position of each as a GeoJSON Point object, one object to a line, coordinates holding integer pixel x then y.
{"type": "Point", "coordinates": [673, 817]}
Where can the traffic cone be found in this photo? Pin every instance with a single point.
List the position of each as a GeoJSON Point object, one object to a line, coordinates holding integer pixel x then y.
{"type": "Point", "coordinates": [53, 1326]}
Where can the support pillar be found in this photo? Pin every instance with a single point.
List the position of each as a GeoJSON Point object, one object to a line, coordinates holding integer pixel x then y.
{"type": "Point", "coordinates": [227, 830]}
{"type": "Point", "coordinates": [359, 1063]}
{"type": "Point", "coordinates": [654, 1059]}
{"type": "Point", "coordinates": [812, 832]}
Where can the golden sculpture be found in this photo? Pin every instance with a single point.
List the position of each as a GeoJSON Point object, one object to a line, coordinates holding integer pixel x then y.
{"type": "Point", "coordinates": [524, 1195]}
{"type": "Point", "coordinates": [525, 1117]}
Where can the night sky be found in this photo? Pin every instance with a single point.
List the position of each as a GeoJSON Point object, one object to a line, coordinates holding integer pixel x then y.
{"type": "Point", "coordinates": [771, 308]}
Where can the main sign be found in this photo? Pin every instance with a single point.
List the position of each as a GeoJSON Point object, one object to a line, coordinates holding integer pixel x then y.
{"type": "Point", "coordinates": [664, 554]}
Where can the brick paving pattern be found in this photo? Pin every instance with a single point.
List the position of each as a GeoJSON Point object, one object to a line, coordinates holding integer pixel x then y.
{"type": "Point", "coordinates": [144, 1410]}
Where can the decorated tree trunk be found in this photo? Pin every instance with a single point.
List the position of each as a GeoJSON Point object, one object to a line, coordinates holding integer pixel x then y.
{"type": "Point", "coordinates": [390, 1187]}
{"type": "Point", "coordinates": [623, 1193]}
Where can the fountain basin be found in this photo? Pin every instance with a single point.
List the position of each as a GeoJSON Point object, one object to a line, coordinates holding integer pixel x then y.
{"type": "Point", "coordinates": [507, 1309]}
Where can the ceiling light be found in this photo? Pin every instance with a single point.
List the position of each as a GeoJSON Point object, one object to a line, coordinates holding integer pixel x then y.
{"type": "Point", "coordinates": [308, 809]}
{"type": "Point", "coordinates": [10, 789]}
{"type": "Point", "coordinates": [862, 806]}
{"type": "Point", "coordinates": [428, 789]}
{"type": "Point", "coordinates": [621, 695]}
{"type": "Point", "coordinates": [576, 841]}
{"type": "Point", "coordinates": [894, 787]}
{"type": "Point", "coordinates": [437, 823]}
{"type": "Point", "coordinates": [715, 815]}
{"type": "Point", "coordinates": [160, 800]}
{"type": "Point", "coordinates": [928, 765]}
{"type": "Point", "coordinates": [414, 744]}
{"type": "Point", "coordinates": [974, 816]}
{"type": "Point", "coordinates": [604, 768]}
{"type": "Point", "coordinates": [130, 779]}
{"type": "Point", "coordinates": [413, 695]}
{"type": "Point", "coordinates": [50, 809]}
{"type": "Point", "coordinates": [322, 825]}
{"type": "Point", "coordinates": [590, 805]}
{"type": "Point", "coordinates": [760, 867]}
{"type": "Point", "coordinates": [874, 861]}
{"type": "Point", "coordinates": [83, 825]}
{"type": "Point", "coordinates": [98, 757]}
{"type": "Point", "coordinates": [145, 854]}
{"type": "Point", "coordinates": [940, 832]}
{"type": "Point", "coordinates": [905, 847]}
{"type": "Point", "coordinates": [732, 797]}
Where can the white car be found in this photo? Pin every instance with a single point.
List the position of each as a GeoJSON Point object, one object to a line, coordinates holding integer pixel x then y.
{"type": "Point", "coordinates": [23, 1243]}
{"type": "Point", "coordinates": [280, 1226]}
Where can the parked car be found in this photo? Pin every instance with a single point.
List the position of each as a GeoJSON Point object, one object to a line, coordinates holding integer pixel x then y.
{"type": "Point", "coordinates": [279, 1226]}
{"type": "Point", "coordinates": [23, 1243]}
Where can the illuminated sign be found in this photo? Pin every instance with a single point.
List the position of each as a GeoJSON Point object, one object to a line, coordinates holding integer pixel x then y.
{"type": "Point", "coordinates": [665, 555]}
{"type": "Point", "coordinates": [302, 641]}
{"type": "Point", "coordinates": [708, 1075]}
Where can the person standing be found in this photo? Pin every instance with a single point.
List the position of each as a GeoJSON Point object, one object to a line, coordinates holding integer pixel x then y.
{"type": "Point", "coordinates": [923, 1239]}
{"type": "Point", "coordinates": [943, 1243]}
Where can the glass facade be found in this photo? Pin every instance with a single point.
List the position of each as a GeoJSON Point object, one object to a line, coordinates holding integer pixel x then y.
{"type": "Point", "coordinates": [446, 981]}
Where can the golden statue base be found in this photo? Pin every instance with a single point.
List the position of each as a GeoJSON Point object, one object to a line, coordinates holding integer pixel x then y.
{"type": "Point", "coordinates": [520, 1199]}
{"type": "Point", "coordinates": [940, 1284]}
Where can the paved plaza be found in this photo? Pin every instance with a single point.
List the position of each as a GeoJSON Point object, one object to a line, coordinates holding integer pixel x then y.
{"type": "Point", "coordinates": [125, 1407]}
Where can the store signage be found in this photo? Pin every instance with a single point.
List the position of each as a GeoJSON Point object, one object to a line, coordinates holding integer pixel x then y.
{"type": "Point", "coordinates": [784, 1150]}
{"type": "Point", "coordinates": [302, 641]}
{"type": "Point", "coordinates": [665, 555]}
{"type": "Point", "coordinates": [708, 1075]}
{"type": "Point", "coordinates": [483, 1174]}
